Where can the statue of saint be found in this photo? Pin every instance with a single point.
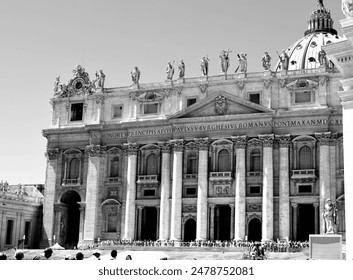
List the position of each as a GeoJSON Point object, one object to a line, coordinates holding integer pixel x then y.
{"type": "Point", "coordinates": [170, 71]}
{"type": "Point", "coordinates": [57, 85]}
{"type": "Point", "coordinates": [135, 75]}
{"type": "Point", "coordinates": [224, 56]}
{"type": "Point", "coordinates": [181, 69]}
{"type": "Point", "coordinates": [347, 8]}
{"type": "Point", "coordinates": [330, 216]}
{"type": "Point", "coordinates": [266, 61]}
{"type": "Point", "coordinates": [101, 79]}
{"type": "Point", "coordinates": [284, 58]}
{"type": "Point", "coordinates": [204, 65]}
{"type": "Point", "coordinates": [322, 58]}
{"type": "Point", "coordinates": [243, 62]}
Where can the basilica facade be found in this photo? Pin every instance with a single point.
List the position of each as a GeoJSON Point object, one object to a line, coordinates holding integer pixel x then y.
{"type": "Point", "coordinates": [237, 156]}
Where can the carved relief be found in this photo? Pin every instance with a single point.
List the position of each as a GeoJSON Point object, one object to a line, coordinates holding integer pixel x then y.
{"type": "Point", "coordinates": [267, 83]}
{"type": "Point", "coordinates": [52, 154]}
{"type": "Point", "coordinates": [241, 85]}
{"type": "Point", "coordinates": [222, 189]}
{"type": "Point", "coordinates": [203, 88]}
{"type": "Point", "coordinates": [96, 150]}
{"type": "Point", "coordinates": [149, 96]}
{"type": "Point", "coordinates": [187, 217]}
{"type": "Point", "coordinates": [189, 208]}
{"type": "Point", "coordinates": [254, 207]}
{"type": "Point", "coordinates": [324, 80]}
{"type": "Point", "coordinates": [221, 105]}
{"type": "Point", "coordinates": [282, 82]}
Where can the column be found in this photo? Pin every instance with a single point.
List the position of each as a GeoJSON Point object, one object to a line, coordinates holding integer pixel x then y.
{"type": "Point", "coordinates": [130, 209]}
{"type": "Point", "coordinates": [240, 189]}
{"type": "Point", "coordinates": [333, 167]}
{"type": "Point", "coordinates": [82, 219]}
{"type": "Point", "coordinates": [212, 206]}
{"type": "Point", "coordinates": [95, 157]}
{"type": "Point", "coordinates": [139, 219]}
{"type": "Point", "coordinates": [48, 206]}
{"type": "Point", "coordinates": [284, 219]}
{"type": "Point", "coordinates": [324, 171]}
{"type": "Point", "coordinates": [175, 225]}
{"type": "Point", "coordinates": [316, 213]}
{"type": "Point", "coordinates": [201, 221]}
{"type": "Point", "coordinates": [164, 217]}
{"type": "Point", "coordinates": [158, 216]}
{"type": "Point", "coordinates": [295, 220]}
{"type": "Point", "coordinates": [267, 187]}
{"type": "Point", "coordinates": [232, 221]}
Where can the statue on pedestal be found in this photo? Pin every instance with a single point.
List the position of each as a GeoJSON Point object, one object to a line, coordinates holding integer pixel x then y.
{"type": "Point", "coordinates": [284, 59]}
{"type": "Point", "coordinates": [330, 217]}
{"type": "Point", "coordinates": [243, 63]}
{"type": "Point", "coordinates": [101, 79]}
{"type": "Point", "coordinates": [170, 70]}
{"type": "Point", "coordinates": [266, 61]}
{"type": "Point", "coordinates": [224, 56]}
{"type": "Point", "coordinates": [135, 75]}
{"type": "Point", "coordinates": [347, 8]}
{"type": "Point", "coordinates": [204, 65]}
{"type": "Point", "coordinates": [181, 69]}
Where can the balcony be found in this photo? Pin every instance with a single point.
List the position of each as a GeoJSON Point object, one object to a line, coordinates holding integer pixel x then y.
{"type": "Point", "coordinates": [114, 179]}
{"type": "Point", "coordinates": [304, 174]}
{"type": "Point", "coordinates": [71, 182]}
{"type": "Point", "coordinates": [190, 176]}
{"type": "Point", "coordinates": [254, 174]}
{"type": "Point", "coordinates": [217, 176]}
{"type": "Point", "coordinates": [145, 179]}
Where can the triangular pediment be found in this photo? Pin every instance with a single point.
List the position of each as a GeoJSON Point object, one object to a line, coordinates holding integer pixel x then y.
{"type": "Point", "coordinates": [220, 104]}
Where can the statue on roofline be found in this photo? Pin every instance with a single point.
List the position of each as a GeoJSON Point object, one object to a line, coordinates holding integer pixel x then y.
{"type": "Point", "coordinates": [135, 75]}
{"type": "Point", "coordinates": [347, 8]}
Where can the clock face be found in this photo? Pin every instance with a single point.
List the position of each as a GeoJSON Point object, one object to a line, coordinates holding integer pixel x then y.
{"type": "Point", "coordinates": [78, 84]}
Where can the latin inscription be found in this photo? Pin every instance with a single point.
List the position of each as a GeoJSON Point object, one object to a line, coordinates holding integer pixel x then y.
{"type": "Point", "coordinates": [217, 127]}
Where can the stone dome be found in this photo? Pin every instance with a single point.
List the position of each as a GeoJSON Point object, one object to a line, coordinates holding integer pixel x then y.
{"type": "Point", "coordinates": [303, 54]}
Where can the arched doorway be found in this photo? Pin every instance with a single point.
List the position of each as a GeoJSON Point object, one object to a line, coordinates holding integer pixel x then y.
{"type": "Point", "coordinates": [149, 223]}
{"type": "Point", "coordinates": [190, 230]}
{"type": "Point", "coordinates": [306, 221]}
{"type": "Point", "coordinates": [222, 222]}
{"type": "Point", "coordinates": [255, 230]}
{"type": "Point", "coordinates": [69, 224]}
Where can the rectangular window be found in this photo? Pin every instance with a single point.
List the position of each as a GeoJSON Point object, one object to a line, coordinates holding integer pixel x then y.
{"type": "Point", "coordinates": [9, 232]}
{"type": "Point", "coordinates": [76, 112]}
{"type": "Point", "coordinates": [254, 97]}
{"type": "Point", "coordinates": [149, 193]}
{"type": "Point", "coordinates": [150, 108]}
{"type": "Point", "coordinates": [190, 101]}
{"type": "Point", "coordinates": [255, 190]}
{"type": "Point", "coordinates": [303, 97]}
{"type": "Point", "coordinates": [305, 189]}
{"type": "Point", "coordinates": [190, 191]}
{"type": "Point", "coordinates": [117, 111]}
{"type": "Point", "coordinates": [27, 232]}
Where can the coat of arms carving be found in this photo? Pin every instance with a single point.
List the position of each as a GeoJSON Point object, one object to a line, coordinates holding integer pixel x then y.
{"type": "Point", "coordinates": [221, 105]}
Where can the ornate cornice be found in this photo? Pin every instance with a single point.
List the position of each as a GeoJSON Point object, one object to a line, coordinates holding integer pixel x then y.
{"type": "Point", "coordinates": [96, 150]}
{"type": "Point", "coordinates": [240, 142]}
{"type": "Point", "coordinates": [323, 138]}
{"type": "Point", "coordinates": [52, 154]}
{"type": "Point", "coordinates": [267, 140]}
{"type": "Point", "coordinates": [284, 141]}
{"type": "Point", "coordinates": [203, 144]}
{"type": "Point", "coordinates": [178, 145]}
{"type": "Point", "coordinates": [131, 148]}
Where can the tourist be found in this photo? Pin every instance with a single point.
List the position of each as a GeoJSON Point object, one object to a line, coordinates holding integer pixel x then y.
{"type": "Point", "coordinates": [128, 257]}
{"type": "Point", "coordinates": [79, 256]}
{"type": "Point", "coordinates": [48, 252]}
{"type": "Point", "coordinates": [95, 256]}
{"type": "Point", "coordinates": [19, 255]}
{"type": "Point", "coordinates": [113, 254]}
{"type": "Point", "coordinates": [3, 256]}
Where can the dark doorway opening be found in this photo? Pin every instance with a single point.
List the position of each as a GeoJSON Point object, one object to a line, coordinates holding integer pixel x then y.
{"type": "Point", "coordinates": [149, 223]}
{"type": "Point", "coordinates": [190, 230]}
{"type": "Point", "coordinates": [255, 230]}
{"type": "Point", "coordinates": [306, 221]}
{"type": "Point", "coordinates": [70, 223]}
{"type": "Point", "coordinates": [222, 222]}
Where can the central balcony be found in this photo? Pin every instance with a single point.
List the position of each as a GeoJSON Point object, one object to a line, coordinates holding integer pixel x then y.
{"type": "Point", "coordinates": [304, 174]}
{"type": "Point", "coordinates": [147, 179]}
{"type": "Point", "coordinates": [217, 176]}
{"type": "Point", "coordinates": [71, 182]}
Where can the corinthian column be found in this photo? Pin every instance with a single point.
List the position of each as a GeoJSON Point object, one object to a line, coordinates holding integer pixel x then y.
{"type": "Point", "coordinates": [130, 208]}
{"type": "Point", "coordinates": [267, 187]}
{"type": "Point", "coordinates": [95, 153]}
{"type": "Point", "coordinates": [284, 226]}
{"type": "Point", "coordinates": [240, 188]}
{"type": "Point", "coordinates": [164, 218]}
{"type": "Point", "coordinates": [48, 206]}
{"type": "Point", "coordinates": [324, 171]}
{"type": "Point", "coordinates": [201, 221]}
{"type": "Point", "coordinates": [175, 230]}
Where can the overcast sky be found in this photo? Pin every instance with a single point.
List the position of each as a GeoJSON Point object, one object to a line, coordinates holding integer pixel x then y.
{"type": "Point", "coordinates": [42, 39]}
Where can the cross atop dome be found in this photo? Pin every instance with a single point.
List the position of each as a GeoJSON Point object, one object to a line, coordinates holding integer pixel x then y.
{"type": "Point", "coordinates": [320, 20]}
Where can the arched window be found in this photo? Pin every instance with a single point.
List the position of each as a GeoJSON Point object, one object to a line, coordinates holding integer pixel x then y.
{"type": "Point", "coordinates": [255, 163]}
{"type": "Point", "coordinates": [151, 165]}
{"type": "Point", "coordinates": [223, 161]}
{"type": "Point", "coordinates": [192, 164]}
{"type": "Point", "coordinates": [114, 167]}
{"type": "Point", "coordinates": [305, 158]}
{"type": "Point", "coordinates": [74, 169]}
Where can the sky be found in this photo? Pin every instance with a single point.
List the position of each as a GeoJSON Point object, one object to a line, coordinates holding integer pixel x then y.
{"type": "Point", "coordinates": [43, 39]}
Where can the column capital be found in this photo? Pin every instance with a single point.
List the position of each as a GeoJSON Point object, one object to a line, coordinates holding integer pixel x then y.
{"type": "Point", "coordinates": [316, 204]}
{"type": "Point", "coordinates": [131, 148]}
{"type": "Point", "coordinates": [203, 144]}
{"type": "Point", "coordinates": [323, 138]}
{"type": "Point", "coordinates": [333, 140]}
{"type": "Point", "coordinates": [239, 141]}
{"type": "Point", "coordinates": [178, 145]}
{"type": "Point", "coordinates": [266, 139]}
{"type": "Point", "coordinates": [283, 140]}
{"type": "Point", "coordinates": [140, 207]}
{"type": "Point", "coordinates": [96, 150]}
{"type": "Point", "coordinates": [212, 206]}
{"type": "Point", "coordinates": [232, 205]}
{"type": "Point", "coordinates": [52, 154]}
{"type": "Point", "coordinates": [294, 204]}
{"type": "Point", "coordinates": [164, 146]}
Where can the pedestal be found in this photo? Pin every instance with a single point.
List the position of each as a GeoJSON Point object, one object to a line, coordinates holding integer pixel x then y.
{"type": "Point", "coordinates": [325, 247]}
